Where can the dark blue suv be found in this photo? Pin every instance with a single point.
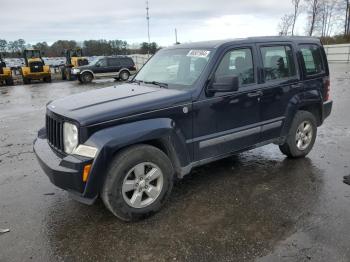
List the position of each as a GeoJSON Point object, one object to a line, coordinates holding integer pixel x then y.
{"type": "Point", "coordinates": [191, 104]}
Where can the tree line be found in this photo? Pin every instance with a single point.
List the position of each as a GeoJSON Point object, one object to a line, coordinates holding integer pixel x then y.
{"type": "Point", "coordinates": [325, 18]}
{"type": "Point", "coordinates": [90, 47]}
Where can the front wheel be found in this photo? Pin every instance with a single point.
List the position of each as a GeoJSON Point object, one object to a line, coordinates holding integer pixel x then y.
{"type": "Point", "coordinates": [87, 78]}
{"type": "Point", "coordinates": [301, 136]}
{"type": "Point", "coordinates": [138, 182]}
{"type": "Point", "coordinates": [9, 81]}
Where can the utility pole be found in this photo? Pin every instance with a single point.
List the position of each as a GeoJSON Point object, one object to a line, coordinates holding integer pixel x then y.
{"type": "Point", "coordinates": [176, 37]}
{"type": "Point", "coordinates": [147, 17]}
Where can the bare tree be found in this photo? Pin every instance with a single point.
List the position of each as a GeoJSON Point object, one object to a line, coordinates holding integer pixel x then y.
{"type": "Point", "coordinates": [285, 24]}
{"type": "Point", "coordinates": [347, 18]}
{"type": "Point", "coordinates": [313, 8]}
{"type": "Point", "coordinates": [327, 17]}
{"type": "Point", "coordinates": [296, 4]}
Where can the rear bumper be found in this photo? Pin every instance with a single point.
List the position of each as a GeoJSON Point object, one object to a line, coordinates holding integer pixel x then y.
{"type": "Point", "coordinates": [327, 109]}
{"type": "Point", "coordinates": [63, 171]}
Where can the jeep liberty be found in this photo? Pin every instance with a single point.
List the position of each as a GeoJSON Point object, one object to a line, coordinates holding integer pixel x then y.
{"type": "Point", "coordinates": [189, 105]}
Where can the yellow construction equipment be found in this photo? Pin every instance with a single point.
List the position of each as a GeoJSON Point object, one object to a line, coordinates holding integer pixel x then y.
{"type": "Point", "coordinates": [35, 68]}
{"type": "Point", "coordinates": [74, 58]}
{"type": "Point", "coordinates": [5, 73]}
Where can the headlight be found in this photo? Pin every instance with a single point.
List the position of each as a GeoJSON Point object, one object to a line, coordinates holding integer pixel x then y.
{"type": "Point", "coordinates": [70, 137]}
{"type": "Point", "coordinates": [76, 71]}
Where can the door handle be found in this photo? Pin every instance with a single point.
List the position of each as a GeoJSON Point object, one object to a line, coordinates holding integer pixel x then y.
{"type": "Point", "coordinates": [255, 94]}
{"type": "Point", "coordinates": [299, 85]}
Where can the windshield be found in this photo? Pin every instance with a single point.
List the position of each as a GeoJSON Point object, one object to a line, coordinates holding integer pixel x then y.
{"type": "Point", "coordinates": [177, 68]}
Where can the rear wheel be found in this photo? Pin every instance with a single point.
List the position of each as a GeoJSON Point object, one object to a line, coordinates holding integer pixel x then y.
{"type": "Point", "coordinates": [47, 79]}
{"type": "Point", "coordinates": [301, 136]}
{"type": "Point", "coordinates": [26, 80]}
{"type": "Point", "coordinates": [9, 81]}
{"type": "Point", "coordinates": [138, 182]}
{"type": "Point", "coordinates": [86, 77]}
{"type": "Point", "coordinates": [124, 75]}
{"type": "Point", "coordinates": [63, 73]}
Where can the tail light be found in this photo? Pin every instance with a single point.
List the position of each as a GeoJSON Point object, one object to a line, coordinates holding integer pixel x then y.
{"type": "Point", "coordinates": [327, 88]}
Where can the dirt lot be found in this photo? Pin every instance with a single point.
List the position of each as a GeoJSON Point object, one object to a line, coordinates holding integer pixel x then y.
{"type": "Point", "coordinates": [256, 206]}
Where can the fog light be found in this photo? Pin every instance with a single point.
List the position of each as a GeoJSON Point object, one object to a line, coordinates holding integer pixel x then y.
{"type": "Point", "coordinates": [86, 172]}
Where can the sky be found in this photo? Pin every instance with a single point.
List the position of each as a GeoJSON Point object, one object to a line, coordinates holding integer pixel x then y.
{"type": "Point", "coordinates": [195, 20]}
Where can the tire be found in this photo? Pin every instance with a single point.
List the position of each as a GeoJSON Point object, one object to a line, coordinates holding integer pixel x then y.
{"type": "Point", "coordinates": [63, 73]}
{"type": "Point", "coordinates": [87, 78]}
{"type": "Point", "coordinates": [120, 201]}
{"type": "Point", "coordinates": [124, 75]}
{"type": "Point", "coordinates": [69, 75]}
{"type": "Point", "coordinates": [47, 79]}
{"type": "Point", "coordinates": [299, 144]}
{"type": "Point", "coordinates": [80, 80]}
{"type": "Point", "coordinates": [26, 80]}
{"type": "Point", "coordinates": [9, 81]}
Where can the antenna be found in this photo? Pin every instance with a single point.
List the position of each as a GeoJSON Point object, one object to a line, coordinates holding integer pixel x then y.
{"type": "Point", "coordinates": [147, 17]}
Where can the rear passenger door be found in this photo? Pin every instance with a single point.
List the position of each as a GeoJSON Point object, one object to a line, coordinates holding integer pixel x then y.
{"type": "Point", "coordinates": [280, 81]}
{"type": "Point", "coordinates": [114, 66]}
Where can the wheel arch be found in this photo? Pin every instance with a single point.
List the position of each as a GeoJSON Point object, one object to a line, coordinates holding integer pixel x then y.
{"type": "Point", "coordinates": [160, 133]}
{"type": "Point", "coordinates": [297, 103]}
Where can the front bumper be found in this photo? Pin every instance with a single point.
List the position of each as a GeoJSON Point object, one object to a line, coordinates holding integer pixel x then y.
{"type": "Point", "coordinates": [37, 76]}
{"type": "Point", "coordinates": [63, 171]}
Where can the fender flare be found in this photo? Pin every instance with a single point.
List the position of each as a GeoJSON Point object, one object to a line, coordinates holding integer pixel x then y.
{"type": "Point", "coordinates": [296, 103]}
{"type": "Point", "coordinates": [87, 70]}
{"type": "Point", "coordinates": [111, 140]}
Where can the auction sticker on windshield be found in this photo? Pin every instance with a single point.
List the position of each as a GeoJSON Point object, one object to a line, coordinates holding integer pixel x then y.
{"type": "Point", "coordinates": [198, 53]}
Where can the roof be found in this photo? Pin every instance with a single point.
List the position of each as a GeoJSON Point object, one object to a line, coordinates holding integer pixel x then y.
{"type": "Point", "coordinates": [217, 43]}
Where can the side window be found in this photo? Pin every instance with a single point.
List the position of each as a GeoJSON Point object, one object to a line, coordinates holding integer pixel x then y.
{"type": "Point", "coordinates": [102, 62]}
{"type": "Point", "coordinates": [312, 59]}
{"type": "Point", "coordinates": [278, 62]}
{"type": "Point", "coordinates": [127, 62]}
{"type": "Point", "coordinates": [113, 62]}
{"type": "Point", "coordinates": [238, 63]}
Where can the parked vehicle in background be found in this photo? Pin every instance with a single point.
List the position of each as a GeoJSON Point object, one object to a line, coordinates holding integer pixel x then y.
{"type": "Point", "coordinates": [5, 73]}
{"type": "Point", "coordinates": [191, 104]}
{"type": "Point", "coordinates": [74, 59]}
{"type": "Point", "coordinates": [34, 68]}
{"type": "Point", "coordinates": [118, 67]}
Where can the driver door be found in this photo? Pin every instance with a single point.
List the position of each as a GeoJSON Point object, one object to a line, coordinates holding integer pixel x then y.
{"type": "Point", "coordinates": [229, 121]}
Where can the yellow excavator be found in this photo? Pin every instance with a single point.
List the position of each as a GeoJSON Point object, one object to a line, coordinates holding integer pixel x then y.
{"type": "Point", "coordinates": [5, 73]}
{"type": "Point", "coordinates": [35, 68]}
{"type": "Point", "coordinates": [74, 58]}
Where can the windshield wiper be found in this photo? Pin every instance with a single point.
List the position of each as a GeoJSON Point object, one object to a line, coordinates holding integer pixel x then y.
{"type": "Point", "coordinates": [162, 85]}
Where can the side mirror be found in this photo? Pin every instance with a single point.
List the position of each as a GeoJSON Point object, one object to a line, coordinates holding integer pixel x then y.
{"type": "Point", "coordinates": [97, 65]}
{"type": "Point", "coordinates": [224, 84]}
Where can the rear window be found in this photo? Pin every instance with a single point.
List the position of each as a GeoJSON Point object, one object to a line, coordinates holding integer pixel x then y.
{"type": "Point", "coordinates": [278, 62]}
{"type": "Point", "coordinates": [312, 59]}
{"type": "Point", "coordinates": [127, 62]}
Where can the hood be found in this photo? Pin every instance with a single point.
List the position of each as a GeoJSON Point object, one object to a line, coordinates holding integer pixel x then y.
{"type": "Point", "coordinates": [115, 102]}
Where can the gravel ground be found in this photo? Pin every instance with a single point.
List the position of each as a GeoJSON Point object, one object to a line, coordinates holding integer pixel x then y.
{"type": "Point", "coordinates": [256, 206]}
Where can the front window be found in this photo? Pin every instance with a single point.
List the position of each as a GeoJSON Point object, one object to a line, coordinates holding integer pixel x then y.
{"type": "Point", "coordinates": [177, 68]}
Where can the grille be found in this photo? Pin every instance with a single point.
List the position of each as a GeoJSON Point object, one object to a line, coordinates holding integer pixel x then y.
{"type": "Point", "coordinates": [54, 132]}
{"type": "Point", "coordinates": [36, 67]}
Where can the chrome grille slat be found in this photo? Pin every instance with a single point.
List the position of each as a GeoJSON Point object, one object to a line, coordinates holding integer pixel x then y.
{"type": "Point", "coordinates": [54, 132]}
